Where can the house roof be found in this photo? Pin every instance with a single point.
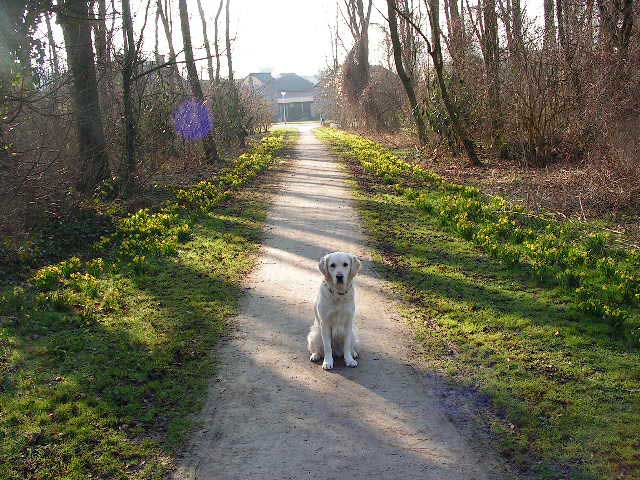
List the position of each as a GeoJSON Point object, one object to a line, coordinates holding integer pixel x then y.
{"type": "Point", "coordinates": [264, 77]}
{"type": "Point", "coordinates": [290, 82]}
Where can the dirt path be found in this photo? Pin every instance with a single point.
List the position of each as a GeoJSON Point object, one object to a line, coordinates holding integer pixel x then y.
{"type": "Point", "coordinates": [272, 414]}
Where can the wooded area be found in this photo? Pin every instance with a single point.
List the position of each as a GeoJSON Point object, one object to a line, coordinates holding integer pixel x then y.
{"type": "Point", "coordinates": [488, 81]}
{"type": "Point", "coordinates": [483, 80]}
{"type": "Point", "coordinates": [104, 112]}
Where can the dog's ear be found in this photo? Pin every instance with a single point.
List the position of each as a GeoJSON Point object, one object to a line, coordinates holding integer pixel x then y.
{"type": "Point", "coordinates": [355, 267]}
{"type": "Point", "coordinates": [322, 266]}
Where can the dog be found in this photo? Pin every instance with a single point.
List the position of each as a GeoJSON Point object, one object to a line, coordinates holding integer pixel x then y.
{"type": "Point", "coordinates": [333, 330]}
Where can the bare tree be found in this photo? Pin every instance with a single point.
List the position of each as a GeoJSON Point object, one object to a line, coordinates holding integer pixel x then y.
{"type": "Point", "coordinates": [216, 41]}
{"type": "Point", "coordinates": [616, 20]}
{"type": "Point", "coordinates": [167, 29]}
{"type": "Point", "coordinates": [407, 82]}
{"type": "Point", "coordinates": [208, 142]}
{"type": "Point", "coordinates": [128, 164]}
{"type": "Point", "coordinates": [491, 52]}
{"type": "Point", "coordinates": [457, 43]}
{"type": "Point", "coordinates": [76, 27]}
{"type": "Point", "coordinates": [207, 47]}
{"type": "Point", "coordinates": [356, 65]}
{"type": "Point", "coordinates": [435, 51]}
{"type": "Point", "coordinates": [549, 24]}
{"type": "Point", "coordinates": [52, 44]}
{"type": "Point", "coordinates": [228, 42]}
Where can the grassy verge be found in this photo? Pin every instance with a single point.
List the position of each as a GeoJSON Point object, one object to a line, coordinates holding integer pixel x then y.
{"type": "Point", "coordinates": [563, 378]}
{"type": "Point", "coordinates": [103, 362]}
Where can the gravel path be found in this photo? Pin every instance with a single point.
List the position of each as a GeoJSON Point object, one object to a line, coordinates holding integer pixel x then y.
{"type": "Point", "coordinates": [272, 414]}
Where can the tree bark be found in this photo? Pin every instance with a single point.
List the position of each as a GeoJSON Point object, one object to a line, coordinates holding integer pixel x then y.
{"type": "Point", "coordinates": [568, 52]}
{"type": "Point", "coordinates": [76, 27]}
{"type": "Point", "coordinates": [492, 66]}
{"type": "Point", "coordinates": [167, 30]}
{"type": "Point", "coordinates": [52, 45]}
{"type": "Point", "coordinates": [435, 51]}
{"type": "Point", "coordinates": [549, 24]}
{"type": "Point", "coordinates": [616, 20]}
{"type": "Point", "coordinates": [216, 42]}
{"type": "Point", "coordinates": [104, 65]}
{"type": "Point", "coordinates": [208, 142]}
{"type": "Point", "coordinates": [207, 47]}
{"type": "Point", "coordinates": [228, 42]}
{"type": "Point", "coordinates": [404, 78]}
{"type": "Point", "coordinates": [128, 164]}
{"type": "Point", "coordinates": [455, 27]}
{"type": "Point", "coordinates": [100, 34]}
{"type": "Point", "coordinates": [516, 23]}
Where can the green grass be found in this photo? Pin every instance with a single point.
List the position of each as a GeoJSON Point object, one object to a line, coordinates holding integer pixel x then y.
{"type": "Point", "coordinates": [564, 385]}
{"type": "Point", "coordinates": [103, 363]}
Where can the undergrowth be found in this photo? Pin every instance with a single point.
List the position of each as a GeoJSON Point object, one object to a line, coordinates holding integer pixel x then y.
{"type": "Point", "coordinates": [602, 277]}
{"type": "Point", "coordinates": [103, 362]}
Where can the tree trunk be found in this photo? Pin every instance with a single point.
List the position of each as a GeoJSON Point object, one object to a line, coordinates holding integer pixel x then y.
{"type": "Point", "coordinates": [228, 43]}
{"type": "Point", "coordinates": [167, 30]}
{"type": "Point", "coordinates": [516, 21]}
{"type": "Point", "coordinates": [240, 132]}
{"type": "Point", "coordinates": [128, 164]}
{"type": "Point", "coordinates": [492, 66]}
{"type": "Point", "coordinates": [549, 24]}
{"type": "Point", "coordinates": [561, 32]}
{"type": "Point", "coordinates": [616, 21]}
{"type": "Point", "coordinates": [52, 45]}
{"type": "Point", "coordinates": [208, 142]}
{"type": "Point", "coordinates": [436, 54]}
{"type": "Point", "coordinates": [216, 42]}
{"type": "Point", "coordinates": [455, 27]}
{"type": "Point", "coordinates": [100, 34]}
{"type": "Point", "coordinates": [406, 81]}
{"type": "Point", "coordinates": [568, 51]}
{"type": "Point", "coordinates": [76, 27]}
{"type": "Point", "coordinates": [207, 47]}
{"type": "Point", "coordinates": [104, 66]}
{"type": "Point", "coordinates": [626, 27]}
{"type": "Point", "coordinates": [156, 47]}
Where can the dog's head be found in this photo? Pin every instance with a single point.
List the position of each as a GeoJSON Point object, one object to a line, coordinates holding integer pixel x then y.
{"type": "Point", "coordinates": [339, 269]}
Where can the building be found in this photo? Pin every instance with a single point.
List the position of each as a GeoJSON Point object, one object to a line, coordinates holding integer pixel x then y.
{"type": "Point", "coordinates": [290, 95]}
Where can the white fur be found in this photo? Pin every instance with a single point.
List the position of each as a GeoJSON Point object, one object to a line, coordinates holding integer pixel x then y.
{"type": "Point", "coordinates": [333, 331]}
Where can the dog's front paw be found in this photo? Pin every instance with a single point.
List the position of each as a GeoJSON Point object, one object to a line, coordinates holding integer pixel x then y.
{"type": "Point", "coordinates": [315, 357]}
{"type": "Point", "coordinates": [350, 362]}
{"type": "Point", "coordinates": [328, 363]}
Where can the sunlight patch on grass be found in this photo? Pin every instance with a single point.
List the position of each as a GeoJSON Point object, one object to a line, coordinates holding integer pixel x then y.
{"type": "Point", "coordinates": [103, 364]}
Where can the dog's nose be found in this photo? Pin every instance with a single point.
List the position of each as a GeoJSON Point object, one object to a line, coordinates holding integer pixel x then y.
{"type": "Point", "coordinates": [339, 277]}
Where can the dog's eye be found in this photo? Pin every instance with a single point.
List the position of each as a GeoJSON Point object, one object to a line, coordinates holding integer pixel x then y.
{"type": "Point", "coordinates": [344, 264]}
{"type": "Point", "coordinates": [333, 265]}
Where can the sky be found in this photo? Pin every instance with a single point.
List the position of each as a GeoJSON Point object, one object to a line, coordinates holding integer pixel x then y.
{"type": "Point", "coordinates": [278, 36]}
{"type": "Point", "coordinates": [290, 35]}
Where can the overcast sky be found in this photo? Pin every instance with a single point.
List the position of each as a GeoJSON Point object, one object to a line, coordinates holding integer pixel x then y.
{"type": "Point", "coordinates": [272, 35]}
{"type": "Point", "coordinates": [269, 35]}
{"type": "Point", "coordinates": [285, 35]}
